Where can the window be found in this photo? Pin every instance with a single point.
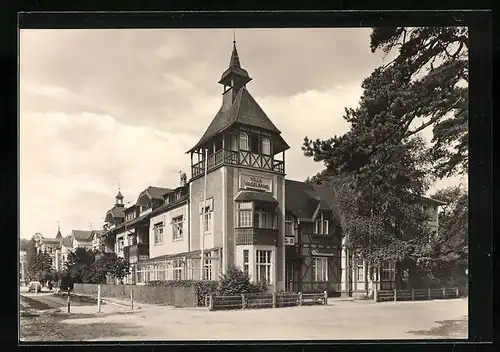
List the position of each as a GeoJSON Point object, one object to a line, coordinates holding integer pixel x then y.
{"type": "Point", "coordinates": [178, 196]}
{"type": "Point", "coordinates": [246, 215]}
{"type": "Point", "coordinates": [320, 269]}
{"type": "Point", "coordinates": [244, 141]}
{"type": "Point", "coordinates": [177, 269]}
{"type": "Point", "coordinates": [207, 266]}
{"type": "Point", "coordinates": [177, 231]}
{"type": "Point", "coordinates": [246, 262]}
{"type": "Point", "coordinates": [389, 271]}
{"type": "Point", "coordinates": [158, 233]}
{"type": "Point", "coordinates": [254, 144]}
{"type": "Point", "coordinates": [264, 218]}
{"type": "Point", "coordinates": [266, 146]}
{"type": "Point", "coordinates": [321, 225]}
{"type": "Point", "coordinates": [207, 221]}
{"type": "Point", "coordinates": [120, 244]}
{"type": "Point", "coordinates": [360, 272]}
{"type": "Point", "coordinates": [263, 266]}
{"type": "Point", "coordinates": [289, 225]}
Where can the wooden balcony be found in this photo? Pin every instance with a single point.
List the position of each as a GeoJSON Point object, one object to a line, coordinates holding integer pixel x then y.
{"type": "Point", "coordinates": [136, 252]}
{"type": "Point", "coordinates": [244, 158]}
{"type": "Point", "coordinates": [251, 236]}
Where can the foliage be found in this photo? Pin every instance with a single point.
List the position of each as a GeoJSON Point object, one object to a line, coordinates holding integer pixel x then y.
{"type": "Point", "coordinates": [106, 264]}
{"type": "Point", "coordinates": [235, 281]}
{"type": "Point", "coordinates": [78, 262]}
{"type": "Point", "coordinates": [446, 256]}
{"type": "Point", "coordinates": [31, 253]}
{"type": "Point", "coordinates": [41, 267]}
{"type": "Point", "coordinates": [420, 89]}
{"type": "Point", "coordinates": [202, 287]}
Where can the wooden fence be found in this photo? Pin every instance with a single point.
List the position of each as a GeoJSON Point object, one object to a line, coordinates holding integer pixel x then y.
{"type": "Point", "coordinates": [274, 300]}
{"type": "Point", "coordinates": [416, 294]}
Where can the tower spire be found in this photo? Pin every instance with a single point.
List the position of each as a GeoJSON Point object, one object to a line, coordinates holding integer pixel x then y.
{"type": "Point", "coordinates": [235, 76]}
{"type": "Point", "coordinates": [58, 235]}
{"type": "Point", "coordinates": [119, 198]}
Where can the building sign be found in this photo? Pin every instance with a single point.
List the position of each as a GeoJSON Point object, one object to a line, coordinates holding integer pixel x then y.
{"type": "Point", "coordinates": [256, 182]}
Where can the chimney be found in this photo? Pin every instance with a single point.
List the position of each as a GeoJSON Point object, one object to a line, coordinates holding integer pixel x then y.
{"type": "Point", "coordinates": [183, 178]}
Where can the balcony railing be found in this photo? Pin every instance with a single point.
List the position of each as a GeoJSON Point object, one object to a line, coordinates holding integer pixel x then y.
{"type": "Point", "coordinates": [135, 252]}
{"type": "Point", "coordinates": [245, 158]}
{"type": "Point", "coordinates": [251, 236]}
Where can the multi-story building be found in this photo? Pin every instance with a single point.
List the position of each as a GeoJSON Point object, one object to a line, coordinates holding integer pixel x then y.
{"type": "Point", "coordinates": [22, 267]}
{"type": "Point", "coordinates": [52, 246]}
{"type": "Point", "coordinates": [236, 209]}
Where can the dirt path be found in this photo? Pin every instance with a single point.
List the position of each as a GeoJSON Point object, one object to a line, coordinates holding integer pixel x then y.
{"type": "Point", "coordinates": [342, 320]}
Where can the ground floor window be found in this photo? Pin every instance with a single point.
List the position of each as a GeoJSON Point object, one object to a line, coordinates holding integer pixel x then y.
{"type": "Point", "coordinates": [177, 269]}
{"type": "Point", "coordinates": [388, 271]}
{"type": "Point", "coordinates": [246, 261]}
{"type": "Point", "coordinates": [360, 274]}
{"type": "Point", "coordinates": [263, 266]}
{"type": "Point", "coordinates": [207, 266]}
{"type": "Point", "coordinates": [320, 269]}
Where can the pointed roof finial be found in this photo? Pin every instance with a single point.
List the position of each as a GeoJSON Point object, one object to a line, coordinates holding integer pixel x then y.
{"type": "Point", "coordinates": [234, 36]}
{"type": "Point", "coordinates": [58, 226]}
{"type": "Point", "coordinates": [58, 235]}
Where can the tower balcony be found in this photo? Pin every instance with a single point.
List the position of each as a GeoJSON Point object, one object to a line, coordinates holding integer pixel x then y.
{"type": "Point", "coordinates": [241, 158]}
{"type": "Point", "coordinates": [256, 236]}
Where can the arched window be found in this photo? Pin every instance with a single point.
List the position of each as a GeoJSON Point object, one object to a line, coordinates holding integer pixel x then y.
{"type": "Point", "coordinates": [244, 141]}
{"type": "Point", "coordinates": [266, 146]}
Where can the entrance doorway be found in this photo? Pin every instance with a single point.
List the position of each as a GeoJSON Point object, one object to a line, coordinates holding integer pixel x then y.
{"type": "Point", "coordinates": [290, 276]}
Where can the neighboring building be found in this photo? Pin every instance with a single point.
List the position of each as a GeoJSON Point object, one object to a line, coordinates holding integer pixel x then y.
{"type": "Point", "coordinates": [82, 239]}
{"type": "Point", "coordinates": [51, 246]}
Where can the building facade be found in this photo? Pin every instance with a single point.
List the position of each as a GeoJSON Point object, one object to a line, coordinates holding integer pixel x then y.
{"type": "Point", "coordinates": [238, 209]}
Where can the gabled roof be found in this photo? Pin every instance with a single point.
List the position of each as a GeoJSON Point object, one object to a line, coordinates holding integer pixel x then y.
{"type": "Point", "coordinates": [81, 235]}
{"type": "Point", "coordinates": [244, 110]}
{"type": "Point", "coordinates": [303, 199]}
{"type": "Point", "coordinates": [66, 242]}
{"type": "Point", "coordinates": [154, 193]}
{"type": "Point", "coordinates": [117, 212]}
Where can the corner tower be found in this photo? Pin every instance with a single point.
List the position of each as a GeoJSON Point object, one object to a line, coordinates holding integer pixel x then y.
{"type": "Point", "coordinates": [243, 222]}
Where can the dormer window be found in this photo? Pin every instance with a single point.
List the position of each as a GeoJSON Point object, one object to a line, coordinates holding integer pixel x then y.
{"type": "Point", "coordinates": [266, 146]}
{"type": "Point", "coordinates": [321, 225]}
{"type": "Point", "coordinates": [244, 141]}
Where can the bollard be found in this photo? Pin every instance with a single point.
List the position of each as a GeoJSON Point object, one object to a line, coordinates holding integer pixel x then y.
{"type": "Point", "coordinates": [69, 304]}
{"type": "Point", "coordinates": [457, 291]}
{"type": "Point", "coordinates": [300, 298]}
{"type": "Point", "coordinates": [395, 295]}
{"type": "Point", "coordinates": [274, 299]}
{"type": "Point", "coordinates": [429, 294]}
{"type": "Point", "coordinates": [131, 298]}
{"type": "Point", "coordinates": [326, 297]}
{"type": "Point", "coordinates": [243, 301]}
{"type": "Point", "coordinates": [444, 293]}
{"type": "Point", "coordinates": [375, 294]}
{"type": "Point", "coordinates": [98, 298]}
{"type": "Point", "coordinates": [36, 289]}
{"type": "Point", "coordinates": [412, 294]}
{"type": "Point", "coordinates": [211, 303]}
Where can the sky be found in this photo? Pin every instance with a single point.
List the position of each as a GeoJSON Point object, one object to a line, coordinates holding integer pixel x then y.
{"type": "Point", "coordinates": [101, 109]}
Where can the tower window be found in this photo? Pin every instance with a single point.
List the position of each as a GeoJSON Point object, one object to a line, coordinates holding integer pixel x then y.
{"type": "Point", "coordinates": [244, 141]}
{"type": "Point", "coordinates": [254, 144]}
{"type": "Point", "coordinates": [266, 146]}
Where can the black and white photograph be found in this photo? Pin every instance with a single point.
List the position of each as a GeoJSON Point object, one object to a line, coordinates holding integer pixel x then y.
{"type": "Point", "coordinates": [214, 184]}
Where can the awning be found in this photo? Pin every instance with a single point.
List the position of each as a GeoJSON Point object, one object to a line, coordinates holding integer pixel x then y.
{"type": "Point", "coordinates": [249, 196]}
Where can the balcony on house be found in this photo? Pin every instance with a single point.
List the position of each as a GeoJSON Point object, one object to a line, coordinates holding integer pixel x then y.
{"type": "Point", "coordinates": [252, 236]}
{"type": "Point", "coordinates": [136, 252]}
{"type": "Point", "coordinates": [243, 158]}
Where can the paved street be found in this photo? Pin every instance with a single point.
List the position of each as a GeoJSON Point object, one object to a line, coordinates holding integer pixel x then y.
{"type": "Point", "coordinates": [339, 320]}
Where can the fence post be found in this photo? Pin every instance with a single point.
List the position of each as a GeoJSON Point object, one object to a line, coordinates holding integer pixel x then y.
{"type": "Point", "coordinates": [300, 298]}
{"type": "Point", "coordinates": [98, 298]}
{"type": "Point", "coordinates": [274, 299]}
{"type": "Point", "coordinates": [243, 301]}
{"type": "Point", "coordinates": [69, 304]}
{"type": "Point", "coordinates": [395, 295]}
{"type": "Point", "coordinates": [444, 292]}
{"type": "Point", "coordinates": [206, 301]}
{"type": "Point", "coordinates": [131, 298]}
{"type": "Point", "coordinates": [429, 294]}
{"type": "Point", "coordinates": [412, 294]}
{"type": "Point", "coordinates": [326, 298]}
{"type": "Point", "coordinates": [211, 302]}
{"type": "Point", "coordinates": [457, 292]}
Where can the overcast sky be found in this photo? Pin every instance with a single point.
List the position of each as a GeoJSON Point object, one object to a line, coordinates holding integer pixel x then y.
{"type": "Point", "coordinates": [106, 107]}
